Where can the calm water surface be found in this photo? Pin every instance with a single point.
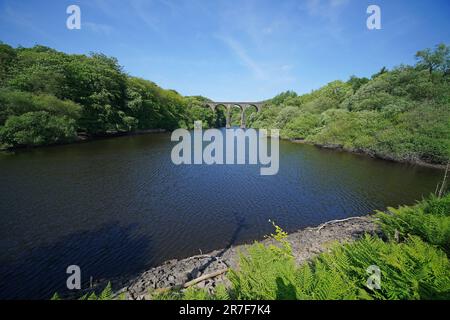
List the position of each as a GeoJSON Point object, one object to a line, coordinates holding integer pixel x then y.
{"type": "Point", "coordinates": [118, 206]}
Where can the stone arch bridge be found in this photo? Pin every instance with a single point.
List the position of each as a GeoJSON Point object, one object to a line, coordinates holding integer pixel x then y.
{"type": "Point", "coordinates": [241, 105]}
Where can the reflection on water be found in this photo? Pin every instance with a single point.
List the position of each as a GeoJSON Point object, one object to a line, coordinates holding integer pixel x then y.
{"type": "Point", "coordinates": [118, 206]}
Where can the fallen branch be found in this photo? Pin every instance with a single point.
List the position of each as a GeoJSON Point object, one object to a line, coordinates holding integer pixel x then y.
{"type": "Point", "coordinates": [444, 182]}
{"type": "Point", "coordinates": [200, 256]}
{"type": "Point", "coordinates": [335, 221]}
{"type": "Point", "coordinates": [204, 277]}
{"type": "Point", "coordinates": [192, 282]}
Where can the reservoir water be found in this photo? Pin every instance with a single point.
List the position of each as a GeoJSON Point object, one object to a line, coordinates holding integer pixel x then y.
{"type": "Point", "coordinates": [118, 206]}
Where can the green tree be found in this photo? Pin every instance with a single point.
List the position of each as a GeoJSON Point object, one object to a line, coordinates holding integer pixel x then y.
{"type": "Point", "coordinates": [357, 83]}
{"type": "Point", "coordinates": [435, 60]}
{"type": "Point", "coordinates": [8, 58]}
{"type": "Point", "coordinates": [36, 129]}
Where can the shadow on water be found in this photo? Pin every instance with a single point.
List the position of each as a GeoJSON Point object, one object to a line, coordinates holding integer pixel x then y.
{"type": "Point", "coordinates": [241, 225]}
{"type": "Point", "coordinates": [102, 254]}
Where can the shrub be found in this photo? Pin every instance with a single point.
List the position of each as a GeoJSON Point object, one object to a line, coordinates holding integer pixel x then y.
{"type": "Point", "coordinates": [412, 269]}
{"type": "Point", "coordinates": [265, 272]}
{"type": "Point", "coordinates": [409, 270]}
{"type": "Point", "coordinates": [16, 103]}
{"type": "Point", "coordinates": [301, 126]}
{"type": "Point", "coordinates": [105, 294]}
{"type": "Point", "coordinates": [193, 293]}
{"type": "Point", "coordinates": [429, 219]}
{"type": "Point", "coordinates": [36, 129]}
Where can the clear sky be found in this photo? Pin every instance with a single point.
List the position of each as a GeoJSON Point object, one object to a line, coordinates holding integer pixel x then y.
{"type": "Point", "coordinates": [234, 49]}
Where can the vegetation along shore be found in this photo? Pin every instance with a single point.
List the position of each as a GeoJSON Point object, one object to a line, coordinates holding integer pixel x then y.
{"type": "Point", "coordinates": [410, 245]}
{"type": "Point", "coordinates": [49, 97]}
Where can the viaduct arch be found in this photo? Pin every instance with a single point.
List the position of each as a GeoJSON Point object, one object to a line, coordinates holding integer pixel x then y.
{"type": "Point", "coordinates": [241, 105]}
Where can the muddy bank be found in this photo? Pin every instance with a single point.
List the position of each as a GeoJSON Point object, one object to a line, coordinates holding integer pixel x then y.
{"type": "Point", "coordinates": [370, 153]}
{"type": "Point", "coordinates": [305, 243]}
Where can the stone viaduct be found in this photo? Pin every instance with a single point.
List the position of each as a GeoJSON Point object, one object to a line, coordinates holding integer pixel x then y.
{"type": "Point", "coordinates": [241, 105]}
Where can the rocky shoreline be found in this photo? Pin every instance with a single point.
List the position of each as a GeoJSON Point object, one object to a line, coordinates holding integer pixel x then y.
{"type": "Point", "coordinates": [306, 244]}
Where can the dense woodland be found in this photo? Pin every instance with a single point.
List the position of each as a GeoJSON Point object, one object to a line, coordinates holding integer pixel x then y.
{"type": "Point", "coordinates": [49, 97]}
{"type": "Point", "coordinates": [401, 114]}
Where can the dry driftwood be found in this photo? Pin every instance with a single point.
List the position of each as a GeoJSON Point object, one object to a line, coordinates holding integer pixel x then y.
{"type": "Point", "coordinates": [204, 277]}
{"type": "Point", "coordinates": [193, 282]}
{"type": "Point", "coordinates": [335, 221]}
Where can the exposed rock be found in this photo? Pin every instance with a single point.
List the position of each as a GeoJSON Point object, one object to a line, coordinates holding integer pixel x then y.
{"type": "Point", "coordinates": [305, 244]}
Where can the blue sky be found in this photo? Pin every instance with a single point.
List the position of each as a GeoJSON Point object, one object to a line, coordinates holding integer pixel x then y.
{"type": "Point", "coordinates": [234, 49]}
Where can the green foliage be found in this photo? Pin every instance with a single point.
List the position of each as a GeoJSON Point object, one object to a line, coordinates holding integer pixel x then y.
{"type": "Point", "coordinates": [350, 130]}
{"type": "Point", "coordinates": [155, 107]}
{"type": "Point", "coordinates": [37, 129]}
{"type": "Point", "coordinates": [402, 114]}
{"type": "Point", "coordinates": [382, 71]}
{"type": "Point", "coordinates": [92, 90]}
{"type": "Point", "coordinates": [283, 97]}
{"type": "Point", "coordinates": [196, 111]}
{"type": "Point", "coordinates": [262, 273]}
{"type": "Point", "coordinates": [409, 270]}
{"type": "Point", "coordinates": [412, 269]}
{"type": "Point", "coordinates": [235, 116]}
{"type": "Point", "coordinates": [193, 293]}
{"type": "Point", "coordinates": [8, 58]}
{"type": "Point", "coordinates": [16, 103]}
{"type": "Point", "coordinates": [321, 280]}
{"type": "Point", "coordinates": [439, 59]}
{"type": "Point", "coordinates": [357, 83]}
{"type": "Point", "coordinates": [285, 115]}
{"type": "Point", "coordinates": [266, 118]}
{"type": "Point", "coordinates": [106, 294]}
{"type": "Point", "coordinates": [429, 219]}
{"type": "Point", "coordinates": [55, 296]}
{"type": "Point", "coordinates": [264, 270]}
